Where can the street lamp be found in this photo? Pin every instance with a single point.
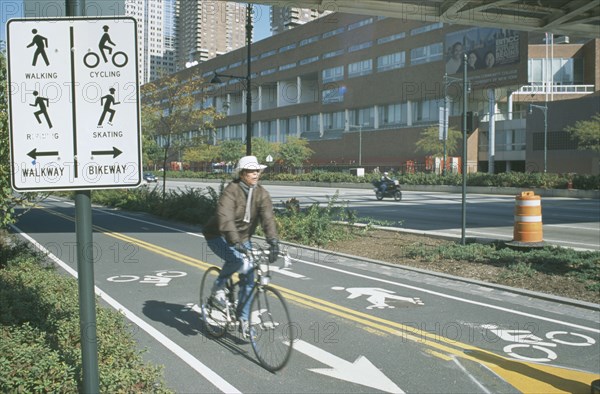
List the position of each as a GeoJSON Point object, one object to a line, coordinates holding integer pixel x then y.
{"type": "Point", "coordinates": [447, 82]}
{"type": "Point", "coordinates": [359, 142]}
{"type": "Point", "coordinates": [544, 108]}
{"type": "Point", "coordinates": [216, 79]}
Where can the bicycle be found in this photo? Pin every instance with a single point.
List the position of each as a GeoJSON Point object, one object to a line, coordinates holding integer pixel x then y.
{"type": "Point", "coordinates": [270, 326]}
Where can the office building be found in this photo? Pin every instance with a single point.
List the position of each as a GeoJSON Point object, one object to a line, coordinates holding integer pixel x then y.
{"type": "Point", "coordinates": [365, 88]}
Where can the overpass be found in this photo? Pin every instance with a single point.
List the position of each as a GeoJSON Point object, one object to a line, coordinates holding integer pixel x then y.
{"type": "Point", "coordinates": [579, 18]}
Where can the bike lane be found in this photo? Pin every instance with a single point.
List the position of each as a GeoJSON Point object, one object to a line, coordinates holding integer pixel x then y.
{"type": "Point", "coordinates": [339, 312]}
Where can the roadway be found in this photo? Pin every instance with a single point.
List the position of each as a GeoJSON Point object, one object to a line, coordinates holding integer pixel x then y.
{"type": "Point", "coordinates": [361, 326]}
{"type": "Point", "coordinates": [567, 222]}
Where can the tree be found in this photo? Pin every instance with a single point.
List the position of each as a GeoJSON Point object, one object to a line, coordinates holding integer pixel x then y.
{"type": "Point", "coordinates": [170, 110]}
{"type": "Point", "coordinates": [295, 152]}
{"type": "Point", "coordinates": [430, 142]}
{"type": "Point", "coordinates": [232, 150]}
{"type": "Point", "coordinates": [586, 133]}
{"type": "Point", "coordinates": [151, 152]}
{"type": "Point", "coordinates": [262, 148]}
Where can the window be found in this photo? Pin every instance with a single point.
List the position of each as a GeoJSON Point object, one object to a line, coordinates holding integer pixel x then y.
{"type": "Point", "coordinates": [289, 127]}
{"type": "Point", "coordinates": [358, 69]}
{"type": "Point", "coordinates": [333, 74]}
{"type": "Point", "coordinates": [287, 48]}
{"type": "Point", "coordinates": [269, 130]}
{"type": "Point", "coordinates": [391, 61]}
{"type": "Point", "coordinates": [362, 116]}
{"type": "Point", "coordinates": [334, 121]}
{"type": "Point", "coordinates": [391, 38]}
{"type": "Point", "coordinates": [425, 111]}
{"type": "Point", "coordinates": [287, 66]}
{"type": "Point", "coordinates": [567, 71]}
{"type": "Point", "coordinates": [360, 46]}
{"type": "Point", "coordinates": [426, 54]}
{"type": "Point", "coordinates": [267, 54]}
{"type": "Point", "coordinates": [309, 60]}
{"type": "Point", "coordinates": [335, 32]}
{"type": "Point", "coordinates": [309, 123]}
{"type": "Point", "coordinates": [331, 54]}
{"type": "Point", "coordinates": [360, 23]}
{"type": "Point", "coordinates": [426, 28]}
{"type": "Point", "coordinates": [309, 40]}
{"type": "Point", "coordinates": [392, 115]}
{"type": "Point", "coordinates": [268, 71]}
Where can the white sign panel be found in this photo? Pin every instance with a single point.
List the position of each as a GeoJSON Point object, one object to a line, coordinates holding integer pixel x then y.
{"type": "Point", "coordinates": [74, 103]}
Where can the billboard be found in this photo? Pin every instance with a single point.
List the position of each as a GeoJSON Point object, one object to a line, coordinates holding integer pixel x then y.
{"type": "Point", "coordinates": [487, 49]}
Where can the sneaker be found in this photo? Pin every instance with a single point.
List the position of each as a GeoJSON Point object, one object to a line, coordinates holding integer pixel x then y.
{"type": "Point", "coordinates": [219, 299]}
{"type": "Point", "coordinates": [244, 329]}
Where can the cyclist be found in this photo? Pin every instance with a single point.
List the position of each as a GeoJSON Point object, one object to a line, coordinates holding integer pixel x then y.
{"type": "Point", "coordinates": [228, 233]}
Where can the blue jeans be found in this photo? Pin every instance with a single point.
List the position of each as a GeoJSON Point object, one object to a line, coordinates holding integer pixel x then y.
{"type": "Point", "coordinates": [234, 262]}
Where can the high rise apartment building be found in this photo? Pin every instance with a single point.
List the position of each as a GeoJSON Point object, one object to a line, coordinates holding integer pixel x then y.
{"type": "Point", "coordinates": [286, 18]}
{"type": "Point", "coordinates": [207, 29]}
{"type": "Point", "coordinates": [156, 25]}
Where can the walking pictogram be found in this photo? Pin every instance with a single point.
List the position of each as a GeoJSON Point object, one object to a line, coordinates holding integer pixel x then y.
{"type": "Point", "coordinates": [43, 103]}
{"type": "Point", "coordinates": [378, 297]}
{"type": "Point", "coordinates": [41, 43]}
{"type": "Point", "coordinates": [118, 59]}
{"type": "Point", "coordinates": [108, 101]}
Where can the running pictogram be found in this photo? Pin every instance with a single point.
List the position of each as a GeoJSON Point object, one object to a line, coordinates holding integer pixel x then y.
{"type": "Point", "coordinates": [43, 103]}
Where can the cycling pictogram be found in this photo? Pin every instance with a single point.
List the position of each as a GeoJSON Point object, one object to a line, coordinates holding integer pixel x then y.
{"type": "Point", "coordinates": [160, 278]}
{"type": "Point", "coordinates": [526, 346]}
{"type": "Point", "coordinates": [118, 59]}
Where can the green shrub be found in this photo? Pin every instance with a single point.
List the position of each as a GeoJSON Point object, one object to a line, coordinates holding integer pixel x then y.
{"type": "Point", "coordinates": [40, 343]}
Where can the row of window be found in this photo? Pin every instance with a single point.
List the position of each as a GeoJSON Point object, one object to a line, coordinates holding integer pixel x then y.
{"type": "Point", "coordinates": [388, 116]}
{"type": "Point", "coordinates": [421, 55]}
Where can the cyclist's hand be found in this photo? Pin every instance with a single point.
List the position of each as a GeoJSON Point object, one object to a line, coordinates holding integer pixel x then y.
{"type": "Point", "coordinates": [241, 248]}
{"type": "Point", "coordinates": [273, 250]}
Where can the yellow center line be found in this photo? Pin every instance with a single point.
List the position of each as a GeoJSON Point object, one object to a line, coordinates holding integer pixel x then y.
{"type": "Point", "coordinates": [525, 376]}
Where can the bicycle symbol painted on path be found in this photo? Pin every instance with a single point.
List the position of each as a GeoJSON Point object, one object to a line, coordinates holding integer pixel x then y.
{"type": "Point", "coordinates": [160, 278]}
{"type": "Point", "coordinates": [118, 59]}
{"type": "Point", "coordinates": [524, 341]}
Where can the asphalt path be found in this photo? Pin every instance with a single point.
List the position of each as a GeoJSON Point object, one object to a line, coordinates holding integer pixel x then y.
{"type": "Point", "coordinates": [360, 326]}
{"type": "Point", "coordinates": [567, 222]}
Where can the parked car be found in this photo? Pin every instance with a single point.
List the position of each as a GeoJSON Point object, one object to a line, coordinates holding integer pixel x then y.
{"type": "Point", "coordinates": [149, 177]}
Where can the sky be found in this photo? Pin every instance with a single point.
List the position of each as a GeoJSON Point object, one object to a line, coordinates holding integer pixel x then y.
{"type": "Point", "coordinates": [13, 9]}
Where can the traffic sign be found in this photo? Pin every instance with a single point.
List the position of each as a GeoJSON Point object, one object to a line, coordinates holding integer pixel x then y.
{"type": "Point", "coordinates": [74, 108]}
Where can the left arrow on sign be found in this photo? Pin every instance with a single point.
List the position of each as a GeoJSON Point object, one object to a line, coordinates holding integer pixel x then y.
{"type": "Point", "coordinates": [115, 152]}
{"type": "Point", "coordinates": [34, 154]}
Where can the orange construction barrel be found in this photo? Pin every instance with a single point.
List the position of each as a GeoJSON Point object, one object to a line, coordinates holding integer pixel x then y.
{"type": "Point", "coordinates": [528, 218]}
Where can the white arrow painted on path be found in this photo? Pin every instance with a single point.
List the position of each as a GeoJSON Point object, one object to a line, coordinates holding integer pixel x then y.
{"type": "Point", "coordinates": [361, 371]}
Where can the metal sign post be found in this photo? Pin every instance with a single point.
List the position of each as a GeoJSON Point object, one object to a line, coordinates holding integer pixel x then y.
{"type": "Point", "coordinates": [75, 124]}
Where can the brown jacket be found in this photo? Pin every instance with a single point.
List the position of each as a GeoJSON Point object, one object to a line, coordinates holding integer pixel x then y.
{"type": "Point", "coordinates": [228, 221]}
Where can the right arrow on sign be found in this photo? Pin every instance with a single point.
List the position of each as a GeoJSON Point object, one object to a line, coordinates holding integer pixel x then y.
{"type": "Point", "coordinates": [114, 152]}
{"type": "Point", "coordinates": [34, 154]}
{"type": "Point", "coordinates": [361, 371]}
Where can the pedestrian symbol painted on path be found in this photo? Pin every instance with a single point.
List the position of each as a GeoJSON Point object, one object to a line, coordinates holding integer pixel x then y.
{"type": "Point", "coordinates": [107, 102]}
{"type": "Point", "coordinates": [41, 43]}
{"type": "Point", "coordinates": [43, 103]}
{"type": "Point", "coordinates": [378, 297]}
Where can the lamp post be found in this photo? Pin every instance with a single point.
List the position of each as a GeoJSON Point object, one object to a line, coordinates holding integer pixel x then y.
{"type": "Point", "coordinates": [359, 142]}
{"type": "Point", "coordinates": [447, 82]}
{"type": "Point", "coordinates": [216, 79]}
{"type": "Point", "coordinates": [464, 154]}
{"type": "Point", "coordinates": [544, 109]}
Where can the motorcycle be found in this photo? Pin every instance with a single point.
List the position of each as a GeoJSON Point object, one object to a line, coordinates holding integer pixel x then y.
{"type": "Point", "coordinates": [393, 190]}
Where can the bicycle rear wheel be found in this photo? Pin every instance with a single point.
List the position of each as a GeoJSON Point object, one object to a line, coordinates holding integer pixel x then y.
{"type": "Point", "coordinates": [270, 329]}
{"type": "Point", "coordinates": [215, 319]}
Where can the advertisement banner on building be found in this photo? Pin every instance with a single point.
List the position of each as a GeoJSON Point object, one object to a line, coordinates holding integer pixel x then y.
{"type": "Point", "coordinates": [488, 51]}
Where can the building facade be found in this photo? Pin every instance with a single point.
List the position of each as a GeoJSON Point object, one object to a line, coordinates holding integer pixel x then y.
{"type": "Point", "coordinates": [365, 88]}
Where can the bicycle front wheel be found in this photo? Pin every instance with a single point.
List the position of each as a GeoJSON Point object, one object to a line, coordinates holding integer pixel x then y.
{"type": "Point", "coordinates": [215, 319]}
{"type": "Point", "coordinates": [270, 328]}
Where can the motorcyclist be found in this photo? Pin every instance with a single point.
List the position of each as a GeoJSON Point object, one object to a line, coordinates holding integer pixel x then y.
{"type": "Point", "coordinates": [385, 180]}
